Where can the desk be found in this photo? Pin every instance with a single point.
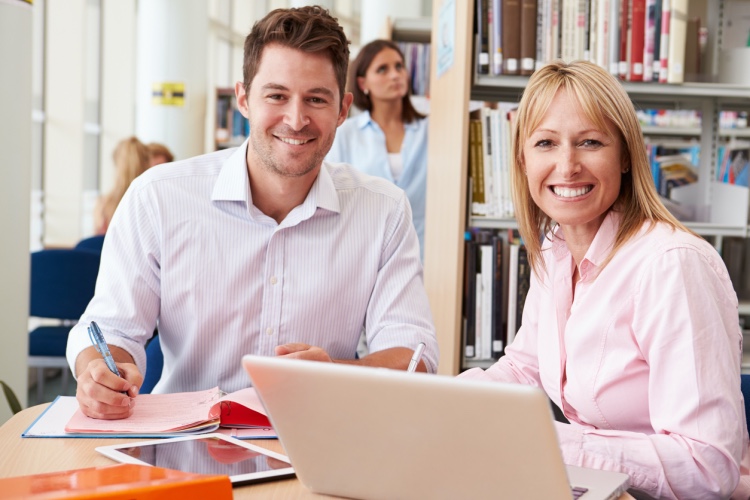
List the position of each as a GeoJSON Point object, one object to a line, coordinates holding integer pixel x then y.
{"type": "Point", "coordinates": [22, 456]}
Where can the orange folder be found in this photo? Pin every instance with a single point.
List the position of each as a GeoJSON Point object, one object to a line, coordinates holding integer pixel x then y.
{"type": "Point", "coordinates": [117, 482]}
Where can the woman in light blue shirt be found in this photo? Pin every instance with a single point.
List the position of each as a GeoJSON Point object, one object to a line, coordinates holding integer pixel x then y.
{"type": "Point", "coordinates": [389, 139]}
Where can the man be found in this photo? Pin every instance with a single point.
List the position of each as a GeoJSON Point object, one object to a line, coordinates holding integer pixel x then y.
{"type": "Point", "coordinates": [263, 249]}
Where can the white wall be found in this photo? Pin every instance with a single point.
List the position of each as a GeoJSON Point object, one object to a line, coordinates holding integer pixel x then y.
{"type": "Point", "coordinates": [64, 134]}
{"type": "Point", "coordinates": [15, 195]}
{"type": "Point", "coordinates": [118, 83]}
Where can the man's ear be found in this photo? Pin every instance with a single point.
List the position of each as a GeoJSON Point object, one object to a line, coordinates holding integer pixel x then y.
{"type": "Point", "coordinates": [239, 92]}
{"type": "Point", "coordinates": [346, 103]}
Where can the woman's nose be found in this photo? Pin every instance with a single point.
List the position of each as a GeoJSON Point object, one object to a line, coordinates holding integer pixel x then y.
{"type": "Point", "coordinates": [568, 162]}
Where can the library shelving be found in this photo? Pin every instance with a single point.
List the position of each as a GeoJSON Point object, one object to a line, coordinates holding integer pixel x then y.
{"type": "Point", "coordinates": [231, 128]}
{"type": "Point", "coordinates": [721, 209]}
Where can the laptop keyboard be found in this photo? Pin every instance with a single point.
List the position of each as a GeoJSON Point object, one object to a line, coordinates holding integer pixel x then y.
{"type": "Point", "coordinates": [578, 491]}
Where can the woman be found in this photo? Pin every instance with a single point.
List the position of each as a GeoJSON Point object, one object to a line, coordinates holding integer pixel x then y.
{"type": "Point", "coordinates": [630, 325]}
{"type": "Point", "coordinates": [131, 159]}
{"type": "Point", "coordinates": [389, 139]}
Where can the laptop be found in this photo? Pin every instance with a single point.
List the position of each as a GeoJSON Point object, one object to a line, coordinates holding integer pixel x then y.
{"type": "Point", "coordinates": [365, 433]}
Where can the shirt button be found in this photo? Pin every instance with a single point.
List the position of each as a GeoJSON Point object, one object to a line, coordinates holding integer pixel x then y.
{"type": "Point", "coordinates": [269, 331]}
{"type": "Point", "coordinates": [274, 280]}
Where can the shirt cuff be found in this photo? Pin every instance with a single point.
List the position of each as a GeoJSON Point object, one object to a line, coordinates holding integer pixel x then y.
{"type": "Point", "coordinates": [570, 438]}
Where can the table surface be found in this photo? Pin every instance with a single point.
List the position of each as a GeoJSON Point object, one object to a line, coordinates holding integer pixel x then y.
{"type": "Point", "coordinates": [22, 456]}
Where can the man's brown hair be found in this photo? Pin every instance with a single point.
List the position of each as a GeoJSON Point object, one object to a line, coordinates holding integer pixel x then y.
{"type": "Point", "coordinates": [309, 29]}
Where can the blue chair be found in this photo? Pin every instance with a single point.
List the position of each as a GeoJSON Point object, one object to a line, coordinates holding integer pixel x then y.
{"type": "Point", "coordinates": [62, 284]}
{"type": "Point", "coordinates": [93, 243]}
{"type": "Point", "coordinates": [745, 384]}
{"type": "Point", "coordinates": [154, 365]}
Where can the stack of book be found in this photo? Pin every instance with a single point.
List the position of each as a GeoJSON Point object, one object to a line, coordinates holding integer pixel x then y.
{"type": "Point", "coordinates": [637, 40]}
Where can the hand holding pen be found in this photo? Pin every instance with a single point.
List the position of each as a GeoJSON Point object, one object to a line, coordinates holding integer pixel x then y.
{"type": "Point", "coordinates": [98, 390]}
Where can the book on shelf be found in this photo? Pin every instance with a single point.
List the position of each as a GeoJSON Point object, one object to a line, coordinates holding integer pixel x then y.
{"type": "Point", "coordinates": [469, 302]}
{"type": "Point", "coordinates": [513, 250]}
{"type": "Point", "coordinates": [655, 40]}
{"type": "Point", "coordinates": [483, 314]}
{"type": "Point", "coordinates": [524, 282]}
{"type": "Point", "coordinates": [485, 299]}
{"type": "Point", "coordinates": [118, 482]}
{"type": "Point", "coordinates": [733, 162]}
{"type": "Point", "coordinates": [622, 69]}
{"type": "Point", "coordinates": [519, 280]}
{"type": "Point", "coordinates": [692, 48]}
{"type": "Point", "coordinates": [498, 326]}
{"type": "Point", "coordinates": [496, 28]}
{"type": "Point", "coordinates": [677, 38]}
{"type": "Point", "coordinates": [613, 49]}
{"type": "Point", "coordinates": [674, 171]}
{"type": "Point", "coordinates": [476, 163]}
{"type": "Point", "coordinates": [511, 36]}
{"type": "Point", "coordinates": [528, 30]}
{"type": "Point", "coordinates": [240, 414]}
{"type": "Point", "coordinates": [417, 63]}
{"type": "Point", "coordinates": [483, 56]}
{"type": "Point", "coordinates": [636, 39]}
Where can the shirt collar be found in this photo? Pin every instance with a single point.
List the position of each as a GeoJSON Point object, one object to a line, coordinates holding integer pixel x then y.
{"type": "Point", "coordinates": [600, 247]}
{"type": "Point", "coordinates": [232, 183]}
{"type": "Point", "coordinates": [323, 193]}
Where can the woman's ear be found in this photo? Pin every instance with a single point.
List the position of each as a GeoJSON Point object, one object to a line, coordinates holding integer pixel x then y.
{"type": "Point", "coordinates": [361, 84]}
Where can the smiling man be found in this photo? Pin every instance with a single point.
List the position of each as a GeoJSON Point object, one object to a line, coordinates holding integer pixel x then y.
{"type": "Point", "coordinates": [262, 249]}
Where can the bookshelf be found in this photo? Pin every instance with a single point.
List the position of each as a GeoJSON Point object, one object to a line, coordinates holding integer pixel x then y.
{"type": "Point", "coordinates": [413, 36]}
{"type": "Point", "coordinates": [447, 182]}
{"type": "Point", "coordinates": [231, 128]}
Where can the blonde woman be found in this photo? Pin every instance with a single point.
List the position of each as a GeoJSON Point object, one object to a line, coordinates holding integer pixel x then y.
{"type": "Point", "coordinates": [131, 159]}
{"type": "Point", "coordinates": [630, 325]}
{"type": "Point", "coordinates": [159, 154]}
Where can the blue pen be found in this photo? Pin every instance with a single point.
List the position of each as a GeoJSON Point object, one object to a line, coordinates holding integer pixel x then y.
{"type": "Point", "coordinates": [95, 334]}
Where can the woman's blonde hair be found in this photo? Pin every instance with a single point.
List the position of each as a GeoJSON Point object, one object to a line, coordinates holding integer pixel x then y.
{"type": "Point", "coordinates": [603, 101]}
{"type": "Point", "coordinates": [131, 159]}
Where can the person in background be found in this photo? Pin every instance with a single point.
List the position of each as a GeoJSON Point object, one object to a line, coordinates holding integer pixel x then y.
{"type": "Point", "coordinates": [252, 250]}
{"type": "Point", "coordinates": [159, 153]}
{"type": "Point", "coordinates": [630, 325]}
{"type": "Point", "coordinates": [389, 138]}
{"type": "Point", "coordinates": [131, 158]}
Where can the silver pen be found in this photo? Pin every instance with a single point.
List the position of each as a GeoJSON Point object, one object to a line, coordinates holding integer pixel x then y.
{"type": "Point", "coordinates": [416, 357]}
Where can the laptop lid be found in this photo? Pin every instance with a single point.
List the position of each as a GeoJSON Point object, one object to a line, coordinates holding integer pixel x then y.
{"type": "Point", "coordinates": [377, 433]}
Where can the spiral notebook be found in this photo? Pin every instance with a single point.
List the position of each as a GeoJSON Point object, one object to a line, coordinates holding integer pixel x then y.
{"type": "Point", "coordinates": [239, 414]}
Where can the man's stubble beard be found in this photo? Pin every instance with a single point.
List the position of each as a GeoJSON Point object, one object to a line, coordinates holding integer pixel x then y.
{"type": "Point", "coordinates": [271, 164]}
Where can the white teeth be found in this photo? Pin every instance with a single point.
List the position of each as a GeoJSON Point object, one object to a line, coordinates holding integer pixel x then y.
{"type": "Point", "coordinates": [295, 142]}
{"type": "Point", "coordinates": [571, 193]}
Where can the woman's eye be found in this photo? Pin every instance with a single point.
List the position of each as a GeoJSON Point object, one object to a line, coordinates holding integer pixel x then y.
{"type": "Point", "coordinates": [544, 143]}
{"type": "Point", "coordinates": [591, 143]}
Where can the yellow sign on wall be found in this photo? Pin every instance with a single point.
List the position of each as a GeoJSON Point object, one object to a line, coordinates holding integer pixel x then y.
{"type": "Point", "coordinates": [168, 94]}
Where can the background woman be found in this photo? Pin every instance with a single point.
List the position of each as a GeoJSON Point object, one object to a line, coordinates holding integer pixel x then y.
{"type": "Point", "coordinates": [389, 138]}
{"type": "Point", "coordinates": [630, 325]}
{"type": "Point", "coordinates": [131, 159]}
{"type": "Point", "coordinates": [159, 153]}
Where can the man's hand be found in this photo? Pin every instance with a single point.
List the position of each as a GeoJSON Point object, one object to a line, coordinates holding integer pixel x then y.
{"type": "Point", "coordinates": [298, 350]}
{"type": "Point", "coordinates": [101, 393]}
